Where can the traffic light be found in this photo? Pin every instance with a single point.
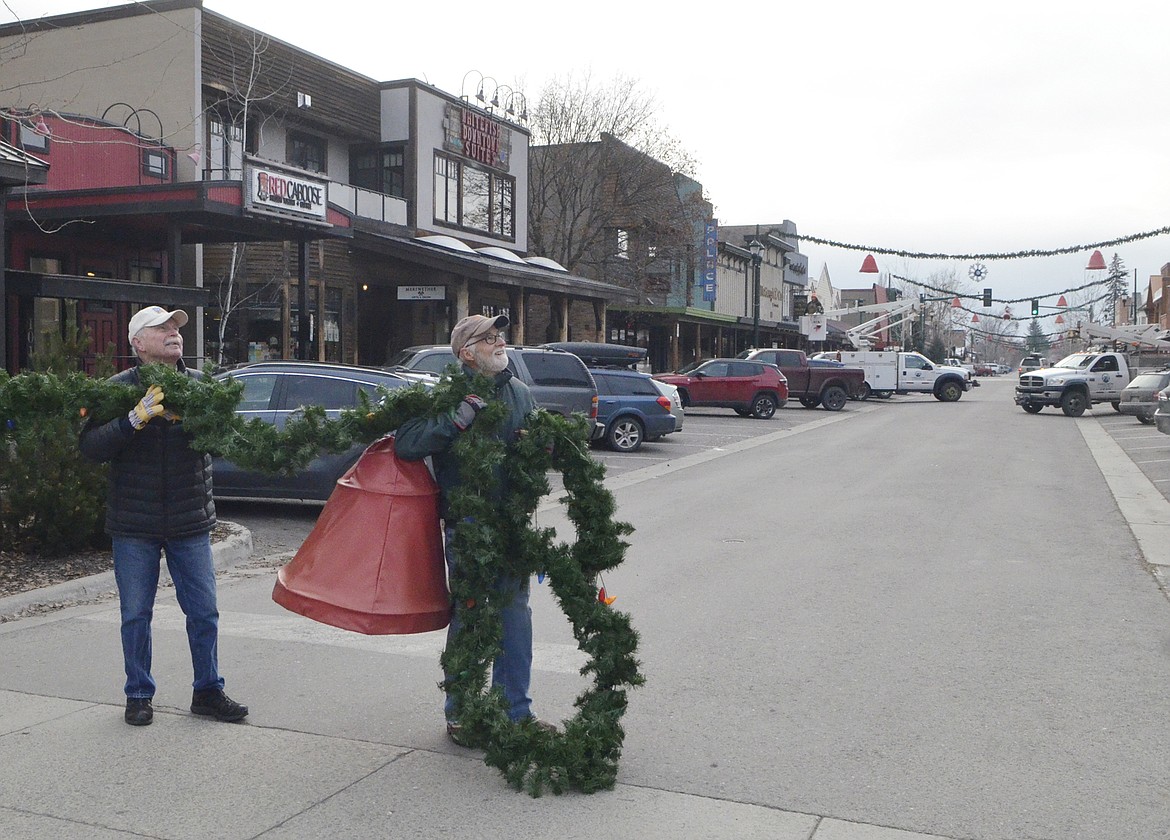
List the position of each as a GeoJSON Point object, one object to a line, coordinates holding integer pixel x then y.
{"type": "Point", "coordinates": [1035, 306]}
{"type": "Point", "coordinates": [986, 298]}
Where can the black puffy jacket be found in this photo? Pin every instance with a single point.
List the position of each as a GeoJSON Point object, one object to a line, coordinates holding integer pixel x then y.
{"type": "Point", "coordinates": [159, 487]}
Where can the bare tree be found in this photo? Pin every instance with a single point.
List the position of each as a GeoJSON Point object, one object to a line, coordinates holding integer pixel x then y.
{"type": "Point", "coordinates": [604, 199]}
{"type": "Point", "coordinates": [233, 292]}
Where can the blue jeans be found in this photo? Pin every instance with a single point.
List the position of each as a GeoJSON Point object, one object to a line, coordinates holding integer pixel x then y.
{"type": "Point", "coordinates": [512, 669]}
{"type": "Point", "coordinates": [136, 569]}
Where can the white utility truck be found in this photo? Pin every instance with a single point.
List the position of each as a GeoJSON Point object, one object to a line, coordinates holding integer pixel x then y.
{"type": "Point", "coordinates": [1081, 380]}
{"type": "Point", "coordinates": [893, 372]}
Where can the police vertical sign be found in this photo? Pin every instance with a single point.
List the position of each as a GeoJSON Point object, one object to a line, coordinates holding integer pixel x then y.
{"type": "Point", "coordinates": [710, 258]}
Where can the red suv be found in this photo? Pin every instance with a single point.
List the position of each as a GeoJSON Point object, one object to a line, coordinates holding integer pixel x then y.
{"type": "Point", "coordinates": [753, 389]}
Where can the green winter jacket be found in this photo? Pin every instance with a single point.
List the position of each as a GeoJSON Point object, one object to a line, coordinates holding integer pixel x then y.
{"type": "Point", "coordinates": [422, 436]}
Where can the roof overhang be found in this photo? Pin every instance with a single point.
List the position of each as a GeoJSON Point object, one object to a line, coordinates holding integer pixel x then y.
{"type": "Point", "coordinates": [18, 168]}
{"type": "Point", "coordinates": [487, 269]}
{"type": "Point", "coordinates": [33, 284]}
{"type": "Point", "coordinates": [203, 212]}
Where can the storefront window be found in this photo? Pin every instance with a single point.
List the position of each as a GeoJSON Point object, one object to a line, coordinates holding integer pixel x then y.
{"type": "Point", "coordinates": [474, 198]}
{"type": "Point", "coordinates": [331, 325]}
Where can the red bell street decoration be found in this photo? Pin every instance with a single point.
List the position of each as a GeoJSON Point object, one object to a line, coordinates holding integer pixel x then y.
{"type": "Point", "coordinates": [956, 303]}
{"type": "Point", "coordinates": [975, 319]}
{"type": "Point", "coordinates": [869, 265]}
{"type": "Point", "coordinates": [1060, 319]}
{"type": "Point", "coordinates": [374, 561]}
{"type": "Point", "coordinates": [1096, 262]}
{"type": "Point", "coordinates": [1062, 302]}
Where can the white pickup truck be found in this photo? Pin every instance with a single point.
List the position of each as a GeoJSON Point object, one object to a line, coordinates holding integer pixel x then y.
{"type": "Point", "coordinates": [1075, 383]}
{"type": "Point", "coordinates": [891, 372]}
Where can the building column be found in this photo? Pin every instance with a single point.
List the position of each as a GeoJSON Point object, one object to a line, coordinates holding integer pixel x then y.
{"type": "Point", "coordinates": [517, 303]}
{"type": "Point", "coordinates": [599, 320]}
{"type": "Point", "coordinates": [303, 300]}
{"type": "Point", "coordinates": [563, 304]}
{"type": "Point", "coordinates": [462, 302]}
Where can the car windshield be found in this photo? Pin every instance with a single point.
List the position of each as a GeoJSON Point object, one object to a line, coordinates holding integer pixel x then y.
{"type": "Point", "coordinates": [691, 366]}
{"type": "Point", "coordinates": [1149, 381]}
{"type": "Point", "coordinates": [1076, 360]}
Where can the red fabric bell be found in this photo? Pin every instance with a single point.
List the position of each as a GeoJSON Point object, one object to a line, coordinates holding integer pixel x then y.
{"type": "Point", "coordinates": [374, 561]}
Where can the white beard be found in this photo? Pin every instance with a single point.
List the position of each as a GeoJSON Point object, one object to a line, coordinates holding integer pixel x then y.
{"type": "Point", "coordinates": [493, 363]}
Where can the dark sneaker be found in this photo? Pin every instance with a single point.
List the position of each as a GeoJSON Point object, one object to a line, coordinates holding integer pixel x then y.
{"type": "Point", "coordinates": [218, 705]}
{"type": "Point", "coordinates": [139, 712]}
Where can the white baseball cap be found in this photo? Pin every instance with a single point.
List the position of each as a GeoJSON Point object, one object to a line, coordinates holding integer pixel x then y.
{"type": "Point", "coordinates": [152, 316]}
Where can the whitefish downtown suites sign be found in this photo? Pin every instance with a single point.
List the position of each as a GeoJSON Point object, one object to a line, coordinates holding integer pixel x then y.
{"type": "Point", "coordinates": [477, 136]}
{"type": "Point", "coordinates": [280, 192]}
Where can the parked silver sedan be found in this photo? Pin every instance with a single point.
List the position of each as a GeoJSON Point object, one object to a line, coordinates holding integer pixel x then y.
{"type": "Point", "coordinates": [1162, 415]}
{"type": "Point", "coordinates": [1140, 397]}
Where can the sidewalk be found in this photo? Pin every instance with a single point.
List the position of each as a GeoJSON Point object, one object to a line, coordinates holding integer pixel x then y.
{"type": "Point", "coordinates": [321, 757]}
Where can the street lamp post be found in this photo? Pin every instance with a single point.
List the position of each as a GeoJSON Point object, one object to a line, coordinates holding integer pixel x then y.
{"type": "Point", "coordinates": [757, 251]}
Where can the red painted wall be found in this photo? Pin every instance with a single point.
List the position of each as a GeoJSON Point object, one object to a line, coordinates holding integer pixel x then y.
{"type": "Point", "coordinates": [85, 153]}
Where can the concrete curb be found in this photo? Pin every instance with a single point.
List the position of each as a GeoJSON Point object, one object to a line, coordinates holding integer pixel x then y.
{"type": "Point", "coordinates": [1144, 507]}
{"type": "Point", "coordinates": [225, 553]}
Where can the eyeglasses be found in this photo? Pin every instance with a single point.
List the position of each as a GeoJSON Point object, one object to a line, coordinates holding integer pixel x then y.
{"type": "Point", "coordinates": [490, 338]}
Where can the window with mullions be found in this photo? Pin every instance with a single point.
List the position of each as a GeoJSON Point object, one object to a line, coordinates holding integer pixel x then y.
{"type": "Point", "coordinates": [225, 147]}
{"type": "Point", "coordinates": [306, 151]}
{"type": "Point", "coordinates": [474, 198]}
{"type": "Point", "coordinates": [446, 190]}
{"type": "Point", "coordinates": [381, 170]}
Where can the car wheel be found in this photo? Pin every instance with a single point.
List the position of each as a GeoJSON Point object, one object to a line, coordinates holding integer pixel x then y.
{"type": "Point", "coordinates": [743, 412]}
{"type": "Point", "coordinates": [834, 398]}
{"type": "Point", "coordinates": [1116, 405]}
{"type": "Point", "coordinates": [625, 434]}
{"type": "Point", "coordinates": [810, 402]}
{"type": "Point", "coordinates": [763, 406]}
{"type": "Point", "coordinates": [1032, 408]}
{"type": "Point", "coordinates": [949, 392]}
{"type": "Point", "coordinates": [865, 391]}
{"type": "Point", "coordinates": [1146, 419]}
{"type": "Point", "coordinates": [1074, 403]}
{"type": "Point", "coordinates": [684, 398]}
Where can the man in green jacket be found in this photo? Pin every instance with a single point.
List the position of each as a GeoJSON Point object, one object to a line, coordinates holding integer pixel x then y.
{"type": "Point", "coordinates": [478, 343]}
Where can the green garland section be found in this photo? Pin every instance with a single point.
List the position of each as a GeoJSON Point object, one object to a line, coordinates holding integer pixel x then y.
{"type": "Point", "coordinates": [493, 538]}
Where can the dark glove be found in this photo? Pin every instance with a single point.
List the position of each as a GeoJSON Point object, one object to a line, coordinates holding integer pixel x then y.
{"type": "Point", "coordinates": [149, 407]}
{"type": "Point", "coordinates": [465, 412]}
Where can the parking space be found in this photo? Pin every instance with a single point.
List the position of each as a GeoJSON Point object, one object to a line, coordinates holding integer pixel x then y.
{"type": "Point", "coordinates": [706, 429]}
{"type": "Point", "coordinates": [1148, 448]}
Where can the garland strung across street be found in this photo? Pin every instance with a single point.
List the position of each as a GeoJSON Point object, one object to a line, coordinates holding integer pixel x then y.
{"type": "Point", "coordinates": [492, 539]}
{"type": "Point", "coordinates": [1011, 255]}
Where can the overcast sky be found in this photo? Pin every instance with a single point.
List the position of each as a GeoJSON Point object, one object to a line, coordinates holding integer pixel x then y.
{"type": "Point", "coordinates": [914, 126]}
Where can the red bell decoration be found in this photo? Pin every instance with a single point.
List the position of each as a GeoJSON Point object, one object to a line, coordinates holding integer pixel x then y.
{"type": "Point", "coordinates": [374, 561]}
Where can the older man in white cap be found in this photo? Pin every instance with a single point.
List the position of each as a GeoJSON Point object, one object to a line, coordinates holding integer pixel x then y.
{"type": "Point", "coordinates": [478, 342]}
{"type": "Point", "coordinates": [160, 499]}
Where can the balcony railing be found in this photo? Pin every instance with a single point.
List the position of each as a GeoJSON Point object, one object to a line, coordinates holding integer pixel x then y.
{"type": "Point", "coordinates": [367, 203]}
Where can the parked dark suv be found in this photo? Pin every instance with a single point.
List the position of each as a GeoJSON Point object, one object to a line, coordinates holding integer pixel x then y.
{"type": "Point", "coordinates": [559, 381]}
{"type": "Point", "coordinates": [273, 391]}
